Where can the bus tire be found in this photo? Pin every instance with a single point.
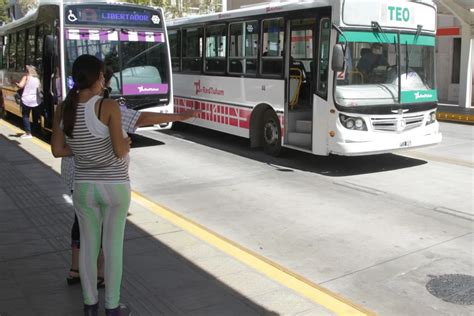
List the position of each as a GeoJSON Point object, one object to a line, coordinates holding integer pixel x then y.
{"type": "Point", "coordinates": [271, 133]}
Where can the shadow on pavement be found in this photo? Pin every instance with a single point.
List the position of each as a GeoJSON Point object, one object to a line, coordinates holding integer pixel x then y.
{"type": "Point", "coordinates": [333, 166]}
{"type": "Point", "coordinates": [139, 141]}
{"type": "Point", "coordinates": [35, 253]}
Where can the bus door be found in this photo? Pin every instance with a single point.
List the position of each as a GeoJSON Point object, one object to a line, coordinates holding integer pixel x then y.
{"type": "Point", "coordinates": [301, 70]}
{"type": "Point", "coordinates": [48, 65]}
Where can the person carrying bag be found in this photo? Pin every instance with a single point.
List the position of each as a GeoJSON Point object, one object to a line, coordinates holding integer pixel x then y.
{"type": "Point", "coordinates": [30, 99]}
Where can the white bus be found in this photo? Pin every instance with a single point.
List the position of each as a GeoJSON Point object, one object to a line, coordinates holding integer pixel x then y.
{"type": "Point", "coordinates": [130, 39]}
{"type": "Point", "coordinates": [358, 77]}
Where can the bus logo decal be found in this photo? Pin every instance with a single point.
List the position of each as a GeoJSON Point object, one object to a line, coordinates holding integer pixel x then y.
{"type": "Point", "coordinates": [205, 90]}
{"type": "Point", "coordinates": [155, 19]}
{"type": "Point", "coordinates": [145, 88]}
{"type": "Point", "coordinates": [419, 95]}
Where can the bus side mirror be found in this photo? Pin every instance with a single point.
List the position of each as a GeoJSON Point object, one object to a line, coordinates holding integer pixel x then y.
{"type": "Point", "coordinates": [337, 63]}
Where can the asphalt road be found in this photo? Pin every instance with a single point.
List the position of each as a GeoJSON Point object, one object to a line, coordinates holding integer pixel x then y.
{"type": "Point", "coordinates": [374, 229]}
{"type": "Point", "coordinates": [378, 230]}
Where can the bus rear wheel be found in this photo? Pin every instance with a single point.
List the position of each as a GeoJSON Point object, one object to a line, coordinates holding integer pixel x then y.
{"type": "Point", "coordinates": [271, 133]}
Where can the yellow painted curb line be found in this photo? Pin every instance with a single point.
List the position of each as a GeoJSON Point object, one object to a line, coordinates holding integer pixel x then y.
{"type": "Point", "coordinates": [462, 118]}
{"type": "Point", "coordinates": [17, 130]}
{"type": "Point", "coordinates": [316, 293]}
{"type": "Point", "coordinates": [299, 284]}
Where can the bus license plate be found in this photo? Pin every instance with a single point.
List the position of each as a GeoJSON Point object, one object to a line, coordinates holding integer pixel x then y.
{"type": "Point", "coordinates": [406, 143]}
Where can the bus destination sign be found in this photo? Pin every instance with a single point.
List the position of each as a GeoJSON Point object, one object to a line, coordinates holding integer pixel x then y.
{"type": "Point", "coordinates": [112, 15]}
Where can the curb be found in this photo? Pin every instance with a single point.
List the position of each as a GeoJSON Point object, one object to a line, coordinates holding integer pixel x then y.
{"type": "Point", "coordinates": [455, 117]}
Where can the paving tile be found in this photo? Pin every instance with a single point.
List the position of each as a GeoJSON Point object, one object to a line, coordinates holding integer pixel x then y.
{"type": "Point", "coordinates": [220, 265]}
{"type": "Point", "coordinates": [167, 271]}
{"type": "Point", "coordinates": [249, 283]}
{"type": "Point", "coordinates": [283, 302]}
{"type": "Point", "coordinates": [6, 203]}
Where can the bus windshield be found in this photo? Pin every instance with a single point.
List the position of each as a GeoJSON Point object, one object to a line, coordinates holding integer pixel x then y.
{"type": "Point", "coordinates": [373, 75]}
{"type": "Point", "coordinates": [138, 60]}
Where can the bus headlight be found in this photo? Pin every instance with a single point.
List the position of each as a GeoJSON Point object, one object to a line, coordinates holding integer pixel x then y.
{"type": "Point", "coordinates": [431, 118]}
{"type": "Point", "coordinates": [354, 123]}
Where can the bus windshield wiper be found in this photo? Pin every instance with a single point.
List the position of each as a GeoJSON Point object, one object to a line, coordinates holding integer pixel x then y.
{"type": "Point", "coordinates": [376, 27]}
{"type": "Point", "coordinates": [415, 40]}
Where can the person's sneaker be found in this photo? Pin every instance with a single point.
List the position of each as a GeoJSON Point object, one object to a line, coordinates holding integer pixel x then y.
{"type": "Point", "coordinates": [25, 136]}
{"type": "Point", "coordinates": [121, 310]}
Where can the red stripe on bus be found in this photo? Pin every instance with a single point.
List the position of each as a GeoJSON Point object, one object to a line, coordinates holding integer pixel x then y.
{"type": "Point", "coordinates": [448, 31]}
{"type": "Point", "coordinates": [219, 113]}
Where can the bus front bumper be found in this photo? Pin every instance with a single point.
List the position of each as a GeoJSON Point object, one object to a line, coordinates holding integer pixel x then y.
{"type": "Point", "coordinates": [385, 143]}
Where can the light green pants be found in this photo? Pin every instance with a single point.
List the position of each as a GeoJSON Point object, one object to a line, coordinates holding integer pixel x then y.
{"type": "Point", "coordinates": [101, 206]}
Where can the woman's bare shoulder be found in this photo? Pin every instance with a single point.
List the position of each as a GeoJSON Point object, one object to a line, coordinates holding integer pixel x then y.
{"type": "Point", "coordinates": [110, 106]}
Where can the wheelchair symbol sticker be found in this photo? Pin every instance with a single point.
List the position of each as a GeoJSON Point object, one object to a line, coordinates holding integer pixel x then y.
{"type": "Point", "coordinates": [71, 17]}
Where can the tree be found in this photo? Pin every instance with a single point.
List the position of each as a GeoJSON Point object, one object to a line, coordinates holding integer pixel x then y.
{"type": "Point", "coordinates": [179, 8]}
{"type": "Point", "coordinates": [4, 18]}
{"type": "Point", "coordinates": [27, 5]}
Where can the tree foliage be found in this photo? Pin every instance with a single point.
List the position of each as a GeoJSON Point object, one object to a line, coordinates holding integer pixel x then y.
{"type": "Point", "coordinates": [4, 18]}
{"type": "Point", "coordinates": [179, 8]}
{"type": "Point", "coordinates": [27, 5]}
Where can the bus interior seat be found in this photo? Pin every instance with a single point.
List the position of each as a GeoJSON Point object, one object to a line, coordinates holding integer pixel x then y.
{"type": "Point", "coordinates": [364, 51]}
{"type": "Point", "coordinates": [195, 64]}
{"type": "Point", "coordinates": [215, 65]}
{"type": "Point", "coordinates": [272, 66]}
{"type": "Point", "coordinates": [296, 80]}
{"type": "Point", "coordinates": [298, 64]}
{"type": "Point", "coordinates": [251, 66]}
{"type": "Point", "coordinates": [236, 66]}
{"type": "Point", "coordinates": [356, 77]}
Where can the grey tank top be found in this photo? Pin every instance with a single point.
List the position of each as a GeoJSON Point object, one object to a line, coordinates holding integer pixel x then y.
{"type": "Point", "coordinates": [94, 158]}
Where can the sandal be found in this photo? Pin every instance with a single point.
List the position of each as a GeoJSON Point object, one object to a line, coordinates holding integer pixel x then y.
{"type": "Point", "coordinates": [73, 277]}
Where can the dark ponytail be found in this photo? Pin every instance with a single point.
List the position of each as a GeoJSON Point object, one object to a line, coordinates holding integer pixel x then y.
{"type": "Point", "coordinates": [86, 70]}
{"type": "Point", "coordinates": [69, 107]}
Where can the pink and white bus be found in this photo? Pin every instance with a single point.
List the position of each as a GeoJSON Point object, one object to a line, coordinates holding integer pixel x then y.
{"type": "Point", "coordinates": [345, 77]}
{"type": "Point", "coordinates": [130, 39]}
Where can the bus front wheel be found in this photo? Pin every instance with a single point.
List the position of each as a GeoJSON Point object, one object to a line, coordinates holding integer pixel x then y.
{"type": "Point", "coordinates": [271, 133]}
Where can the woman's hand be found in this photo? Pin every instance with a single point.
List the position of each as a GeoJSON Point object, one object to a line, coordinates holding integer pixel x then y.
{"type": "Point", "coordinates": [22, 82]}
{"type": "Point", "coordinates": [59, 148]}
{"type": "Point", "coordinates": [190, 113]}
{"type": "Point", "coordinates": [127, 143]}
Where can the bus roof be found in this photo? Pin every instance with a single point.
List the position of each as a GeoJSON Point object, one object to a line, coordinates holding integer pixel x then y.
{"type": "Point", "coordinates": [253, 10]}
{"type": "Point", "coordinates": [32, 15]}
{"type": "Point", "coordinates": [265, 8]}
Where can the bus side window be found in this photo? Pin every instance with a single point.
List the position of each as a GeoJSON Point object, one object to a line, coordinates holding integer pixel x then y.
{"type": "Point", "coordinates": [20, 51]}
{"type": "Point", "coordinates": [175, 49]}
{"type": "Point", "coordinates": [243, 47]}
{"type": "Point", "coordinates": [39, 46]}
{"type": "Point", "coordinates": [216, 40]}
{"type": "Point", "coordinates": [30, 46]}
{"type": "Point", "coordinates": [192, 53]}
{"type": "Point", "coordinates": [11, 51]}
{"type": "Point", "coordinates": [273, 43]}
{"type": "Point", "coordinates": [323, 58]}
{"type": "Point", "coordinates": [3, 52]}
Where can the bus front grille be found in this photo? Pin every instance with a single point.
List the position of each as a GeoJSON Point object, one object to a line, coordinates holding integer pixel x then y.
{"type": "Point", "coordinates": [394, 124]}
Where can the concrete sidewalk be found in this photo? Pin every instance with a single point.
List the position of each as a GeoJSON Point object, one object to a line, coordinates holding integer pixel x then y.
{"type": "Point", "coordinates": [167, 271]}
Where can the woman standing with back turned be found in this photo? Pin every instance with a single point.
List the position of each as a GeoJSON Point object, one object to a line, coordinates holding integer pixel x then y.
{"type": "Point", "coordinates": [89, 127]}
{"type": "Point", "coordinates": [30, 99]}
